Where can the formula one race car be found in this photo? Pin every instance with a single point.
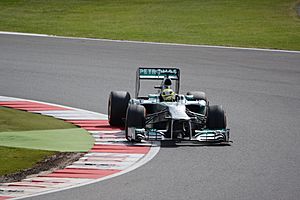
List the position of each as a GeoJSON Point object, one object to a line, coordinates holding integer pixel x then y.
{"type": "Point", "coordinates": [167, 115]}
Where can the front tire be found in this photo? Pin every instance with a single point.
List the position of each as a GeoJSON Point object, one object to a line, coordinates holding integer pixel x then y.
{"type": "Point", "coordinates": [117, 106]}
{"type": "Point", "coordinates": [216, 118]}
{"type": "Point", "coordinates": [135, 118]}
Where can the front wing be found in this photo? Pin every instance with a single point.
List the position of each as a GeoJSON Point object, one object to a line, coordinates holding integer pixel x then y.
{"type": "Point", "coordinates": [204, 136]}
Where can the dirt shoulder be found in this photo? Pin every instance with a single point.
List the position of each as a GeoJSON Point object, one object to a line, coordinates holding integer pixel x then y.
{"type": "Point", "coordinates": [57, 161]}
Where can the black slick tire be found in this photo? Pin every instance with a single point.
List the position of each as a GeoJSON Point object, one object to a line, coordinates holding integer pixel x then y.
{"type": "Point", "coordinates": [135, 117]}
{"type": "Point", "coordinates": [117, 107]}
{"type": "Point", "coordinates": [216, 118]}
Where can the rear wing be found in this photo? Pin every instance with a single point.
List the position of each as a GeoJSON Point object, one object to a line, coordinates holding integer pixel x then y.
{"type": "Point", "coordinates": [157, 73]}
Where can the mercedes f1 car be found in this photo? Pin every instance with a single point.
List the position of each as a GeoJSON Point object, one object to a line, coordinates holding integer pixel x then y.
{"type": "Point", "coordinates": [178, 117]}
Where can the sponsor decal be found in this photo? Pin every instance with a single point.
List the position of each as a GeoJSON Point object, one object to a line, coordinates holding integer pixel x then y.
{"type": "Point", "coordinates": [157, 72]}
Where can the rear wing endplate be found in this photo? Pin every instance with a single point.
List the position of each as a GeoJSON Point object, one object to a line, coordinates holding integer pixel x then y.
{"type": "Point", "coordinates": [157, 73]}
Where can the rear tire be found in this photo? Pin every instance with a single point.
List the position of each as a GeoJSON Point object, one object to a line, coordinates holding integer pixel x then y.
{"type": "Point", "coordinates": [135, 117]}
{"type": "Point", "coordinates": [198, 95]}
{"type": "Point", "coordinates": [117, 106]}
{"type": "Point", "coordinates": [216, 118]}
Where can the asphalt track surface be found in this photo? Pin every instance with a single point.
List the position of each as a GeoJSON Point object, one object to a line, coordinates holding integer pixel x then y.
{"type": "Point", "coordinates": [259, 90]}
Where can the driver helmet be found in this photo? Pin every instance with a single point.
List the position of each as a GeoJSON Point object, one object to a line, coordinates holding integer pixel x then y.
{"type": "Point", "coordinates": [168, 94]}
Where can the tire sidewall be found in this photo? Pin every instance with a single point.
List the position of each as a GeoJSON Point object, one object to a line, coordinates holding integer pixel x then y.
{"type": "Point", "coordinates": [117, 107]}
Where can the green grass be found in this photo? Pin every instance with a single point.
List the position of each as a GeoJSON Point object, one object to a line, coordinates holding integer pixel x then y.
{"type": "Point", "coordinates": [63, 140]}
{"type": "Point", "coordinates": [248, 23]}
{"type": "Point", "coordinates": [16, 120]}
{"type": "Point", "coordinates": [15, 159]}
{"type": "Point", "coordinates": [26, 138]}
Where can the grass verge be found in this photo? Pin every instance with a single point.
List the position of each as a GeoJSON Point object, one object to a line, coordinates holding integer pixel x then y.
{"type": "Point", "coordinates": [63, 140]}
{"type": "Point", "coordinates": [17, 120]}
{"type": "Point", "coordinates": [27, 138]}
{"type": "Point", "coordinates": [248, 23]}
{"type": "Point", "coordinates": [16, 159]}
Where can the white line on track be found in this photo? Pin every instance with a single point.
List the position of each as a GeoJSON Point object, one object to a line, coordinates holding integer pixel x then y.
{"type": "Point", "coordinates": [141, 42]}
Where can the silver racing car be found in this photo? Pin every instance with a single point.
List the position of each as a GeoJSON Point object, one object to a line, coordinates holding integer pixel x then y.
{"type": "Point", "coordinates": [167, 115]}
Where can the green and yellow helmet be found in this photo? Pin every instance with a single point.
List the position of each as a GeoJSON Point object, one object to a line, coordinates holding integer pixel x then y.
{"type": "Point", "coordinates": [168, 94]}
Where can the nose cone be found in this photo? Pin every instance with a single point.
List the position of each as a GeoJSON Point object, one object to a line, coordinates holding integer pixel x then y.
{"type": "Point", "coordinates": [177, 112]}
